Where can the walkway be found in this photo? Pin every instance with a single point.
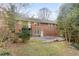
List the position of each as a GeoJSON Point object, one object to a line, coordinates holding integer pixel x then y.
{"type": "Point", "coordinates": [48, 38]}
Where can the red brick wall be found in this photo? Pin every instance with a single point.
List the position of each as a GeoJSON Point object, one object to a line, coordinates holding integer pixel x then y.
{"type": "Point", "coordinates": [47, 30]}
{"type": "Point", "coordinates": [17, 27]}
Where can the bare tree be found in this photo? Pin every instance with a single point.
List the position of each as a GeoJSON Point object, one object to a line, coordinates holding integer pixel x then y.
{"type": "Point", "coordinates": [10, 12]}
{"type": "Point", "coordinates": [44, 13]}
{"type": "Point", "coordinates": [13, 10]}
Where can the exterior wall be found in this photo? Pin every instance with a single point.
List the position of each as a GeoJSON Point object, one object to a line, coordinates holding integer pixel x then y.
{"type": "Point", "coordinates": [19, 25]}
{"type": "Point", "coordinates": [33, 28]}
{"type": "Point", "coordinates": [44, 29]}
{"type": "Point", "coordinates": [47, 29]}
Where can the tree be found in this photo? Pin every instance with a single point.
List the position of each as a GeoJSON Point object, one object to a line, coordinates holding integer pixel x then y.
{"type": "Point", "coordinates": [10, 13]}
{"type": "Point", "coordinates": [67, 21]}
{"type": "Point", "coordinates": [44, 13]}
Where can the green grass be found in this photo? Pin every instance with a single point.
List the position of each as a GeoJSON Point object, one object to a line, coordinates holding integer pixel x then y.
{"type": "Point", "coordinates": [4, 52]}
{"type": "Point", "coordinates": [40, 48]}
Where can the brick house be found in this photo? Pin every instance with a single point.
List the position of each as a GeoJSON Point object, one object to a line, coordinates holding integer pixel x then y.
{"type": "Point", "coordinates": [38, 27]}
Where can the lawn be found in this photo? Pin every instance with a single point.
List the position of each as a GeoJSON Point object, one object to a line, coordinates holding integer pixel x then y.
{"type": "Point", "coordinates": [40, 48]}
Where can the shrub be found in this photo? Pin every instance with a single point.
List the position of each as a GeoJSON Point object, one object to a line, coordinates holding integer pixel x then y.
{"type": "Point", "coordinates": [4, 34]}
{"type": "Point", "coordinates": [24, 34]}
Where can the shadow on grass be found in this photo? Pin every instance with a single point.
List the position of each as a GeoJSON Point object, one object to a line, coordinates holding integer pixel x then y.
{"type": "Point", "coordinates": [75, 45]}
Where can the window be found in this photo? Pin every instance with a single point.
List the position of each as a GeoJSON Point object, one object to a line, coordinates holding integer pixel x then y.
{"type": "Point", "coordinates": [36, 31]}
{"type": "Point", "coordinates": [38, 24]}
{"type": "Point", "coordinates": [50, 25]}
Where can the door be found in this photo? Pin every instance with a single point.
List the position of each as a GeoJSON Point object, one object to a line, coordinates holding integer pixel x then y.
{"type": "Point", "coordinates": [41, 33]}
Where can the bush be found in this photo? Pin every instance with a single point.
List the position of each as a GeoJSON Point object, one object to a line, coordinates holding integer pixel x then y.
{"type": "Point", "coordinates": [24, 34]}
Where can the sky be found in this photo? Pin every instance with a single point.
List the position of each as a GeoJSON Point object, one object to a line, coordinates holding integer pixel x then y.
{"type": "Point", "coordinates": [54, 7]}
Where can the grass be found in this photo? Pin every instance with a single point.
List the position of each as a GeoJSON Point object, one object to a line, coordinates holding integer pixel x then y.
{"type": "Point", "coordinates": [40, 48]}
{"type": "Point", "coordinates": [4, 52]}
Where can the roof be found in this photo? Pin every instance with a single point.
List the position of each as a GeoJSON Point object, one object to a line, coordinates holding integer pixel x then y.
{"type": "Point", "coordinates": [38, 20]}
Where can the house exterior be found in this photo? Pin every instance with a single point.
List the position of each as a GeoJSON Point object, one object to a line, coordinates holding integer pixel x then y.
{"type": "Point", "coordinates": [38, 27]}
